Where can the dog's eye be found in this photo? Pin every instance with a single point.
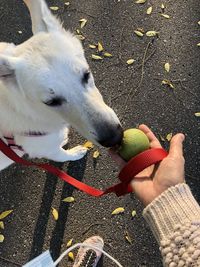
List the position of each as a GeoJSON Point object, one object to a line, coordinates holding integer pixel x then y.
{"type": "Point", "coordinates": [86, 77]}
{"type": "Point", "coordinates": [55, 102]}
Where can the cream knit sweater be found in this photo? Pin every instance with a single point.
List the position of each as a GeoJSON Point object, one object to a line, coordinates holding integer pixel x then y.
{"type": "Point", "coordinates": [174, 218]}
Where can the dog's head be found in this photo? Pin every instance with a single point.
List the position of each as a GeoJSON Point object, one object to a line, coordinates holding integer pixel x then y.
{"type": "Point", "coordinates": [51, 71]}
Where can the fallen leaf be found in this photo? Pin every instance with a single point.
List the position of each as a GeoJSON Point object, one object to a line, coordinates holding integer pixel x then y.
{"type": "Point", "coordinates": [1, 238]}
{"type": "Point", "coordinates": [162, 138]}
{"type": "Point", "coordinates": [165, 16]}
{"type": "Point", "coordinates": [100, 47]}
{"type": "Point", "coordinates": [71, 256]}
{"type": "Point", "coordinates": [130, 61]}
{"type": "Point", "coordinates": [151, 33]}
{"type": "Point", "coordinates": [83, 22]}
{"type": "Point", "coordinates": [140, 1]}
{"type": "Point", "coordinates": [197, 114]}
{"type": "Point", "coordinates": [96, 57]}
{"type": "Point", "coordinates": [88, 144]}
{"type": "Point", "coordinates": [80, 37]}
{"type": "Point", "coordinates": [1, 225]}
{"type": "Point", "coordinates": [149, 10]}
{"type": "Point", "coordinates": [168, 83]}
{"type": "Point", "coordinates": [69, 243]}
{"type": "Point", "coordinates": [20, 32]}
{"type": "Point", "coordinates": [55, 214]}
{"type": "Point", "coordinates": [54, 8]}
{"type": "Point", "coordinates": [96, 154]}
{"type": "Point", "coordinates": [198, 22]}
{"type": "Point", "coordinates": [78, 31]}
{"type": "Point", "coordinates": [92, 46]}
{"type": "Point", "coordinates": [139, 33]}
{"type": "Point", "coordinates": [169, 137]}
{"type": "Point", "coordinates": [118, 211]}
{"type": "Point", "coordinates": [167, 67]}
{"type": "Point", "coordinates": [133, 213]}
{"type": "Point", "coordinates": [128, 238]}
{"type": "Point", "coordinates": [67, 3]}
{"type": "Point", "coordinates": [68, 199]}
{"type": "Point", "coordinates": [106, 54]}
{"type": "Point", "coordinates": [198, 44]}
{"type": "Point", "coordinates": [5, 214]}
{"type": "Point", "coordinates": [162, 6]}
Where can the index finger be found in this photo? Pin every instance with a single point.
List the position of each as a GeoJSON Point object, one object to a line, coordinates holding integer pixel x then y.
{"type": "Point", "coordinates": [154, 142]}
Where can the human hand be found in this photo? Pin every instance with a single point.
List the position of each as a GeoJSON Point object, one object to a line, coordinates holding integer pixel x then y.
{"type": "Point", "coordinates": [154, 180]}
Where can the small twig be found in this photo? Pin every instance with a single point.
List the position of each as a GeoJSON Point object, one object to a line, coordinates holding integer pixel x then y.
{"type": "Point", "coordinates": [120, 44]}
{"type": "Point", "coordinates": [79, 11]}
{"type": "Point", "coordinates": [92, 225]}
{"type": "Point", "coordinates": [7, 260]}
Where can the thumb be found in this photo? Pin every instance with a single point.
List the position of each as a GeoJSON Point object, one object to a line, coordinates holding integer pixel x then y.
{"type": "Point", "coordinates": [176, 146]}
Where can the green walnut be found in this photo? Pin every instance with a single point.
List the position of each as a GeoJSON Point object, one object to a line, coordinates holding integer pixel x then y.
{"type": "Point", "coordinates": [134, 142]}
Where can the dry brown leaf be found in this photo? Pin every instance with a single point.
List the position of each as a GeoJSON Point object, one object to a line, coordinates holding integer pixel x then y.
{"type": "Point", "coordinates": [169, 137]}
{"type": "Point", "coordinates": [96, 57]}
{"type": "Point", "coordinates": [139, 33]}
{"type": "Point", "coordinates": [96, 154]}
{"type": "Point", "coordinates": [149, 10]}
{"type": "Point", "coordinates": [54, 8]}
{"type": "Point", "coordinates": [118, 211]}
{"type": "Point", "coordinates": [165, 16]}
{"type": "Point", "coordinates": [106, 54]}
{"type": "Point", "coordinates": [55, 214]}
{"type": "Point", "coordinates": [140, 1]}
{"type": "Point", "coordinates": [100, 47]}
{"type": "Point", "coordinates": [69, 243]}
{"type": "Point", "coordinates": [71, 256]}
{"type": "Point", "coordinates": [1, 225]}
{"type": "Point", "coordinates": [68, 199]}
{"type": "Point", "coordinates": [5, 214]}
{"type": "Point", "coordinates": [1, 238]}
{"type": "Point", "coordinates": [197, 114]}
{"type": "Point", "coordinates": [130, 61]}
{"type": "Point", "coordinates": [167, 67]}
{"type": "Point", "coordinates": [151, 33]}
{"type": "Point", "coordinates": [83, 22]}
{"type": "Point", "coordinates": [168, 83]}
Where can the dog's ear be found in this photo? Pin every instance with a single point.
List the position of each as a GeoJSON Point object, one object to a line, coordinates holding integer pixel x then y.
{"type": "Point", "coordinates": [42, 18]}
{"type": "Point", "coordinates": [8, 65]}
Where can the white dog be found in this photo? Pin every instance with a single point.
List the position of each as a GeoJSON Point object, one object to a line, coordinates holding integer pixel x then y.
{"type": "Point", "coordinates": [46, 86]}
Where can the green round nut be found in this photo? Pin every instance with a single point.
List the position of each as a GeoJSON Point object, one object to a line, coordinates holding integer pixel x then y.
{"type": "Point", "coordinates": [134, 142]}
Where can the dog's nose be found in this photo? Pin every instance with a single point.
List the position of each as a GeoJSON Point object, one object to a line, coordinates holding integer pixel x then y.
{"type": "Point", "coordinates": [111, 136]}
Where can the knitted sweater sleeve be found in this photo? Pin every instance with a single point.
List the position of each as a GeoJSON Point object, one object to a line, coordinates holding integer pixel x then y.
{"type": "Point", "coordinates": [174, 218]}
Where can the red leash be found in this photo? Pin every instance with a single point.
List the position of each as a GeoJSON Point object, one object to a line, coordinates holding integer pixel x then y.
{"type": "Point", "coordinates": [131, 169]}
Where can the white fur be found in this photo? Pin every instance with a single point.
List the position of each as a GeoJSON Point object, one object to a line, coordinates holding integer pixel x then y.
{"type": "Point", "coordinates": [49, 64]}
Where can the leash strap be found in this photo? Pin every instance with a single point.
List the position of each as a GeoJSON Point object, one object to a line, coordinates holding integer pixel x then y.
{"type": "Point", "coordinates": [131, 169]}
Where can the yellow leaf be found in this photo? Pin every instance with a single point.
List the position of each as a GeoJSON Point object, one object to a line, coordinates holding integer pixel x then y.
{"type": "Point", "coordinates": [71, 256]}
{"type": "Point", "coordinates": [133, 213]}
{"type": "Point", "coordinates": [100, 47]}
{"type": "Point", "coordinates": [162, 6]}
{"type": "Point", "coordinates": [20, 32]}
{"type": "Point", "coordinates": [162, 138]}
{"type": "Point", "coordinates": [167, 67]}
{"type": "Point", "coordinates": [130, 61]}
{"type": "Point", "coordinates": [149, 10]}
{"type": "Point", "coordinates": [68, 199]}
{"type": "Point", "coordinates": [67, 3]}
{"type": "Point", "coordinates": [151, 33]}
{"type": "Point", "coordinates": [139, 33]}
{"type": "Point", "coordinates": [197, 114]}
{"type": "Point", "coordinates": [198, 44]}
{"type": "Point", "coordinates": [106, 54]}
{"type": "Point", "coordinates": [198, 22]}
{"type": "Point", "coordinates": [88, 144]}
{"type": "Point", "coordinates": [96, 57]}
{"type": "Point", "coordinates": [83, 22]}
{"type": "Point", "coordinates": [1, 225]}
{"type": "Point", "coordinates": [96, 154]}
{"type": "Point", "coordinates": [165, 16]}
{"type": "Point", "coordinates": [1, 238]}
{"type": "Point", "coordinates": [54, 8]}
{"type": "Point", "coordinates": [169, 137]}
{"type": "Point", "coordinates": [55, 214]}
{"type": "Point", "coordinates": [128, 238]}
{"type": "Point", "coordinates": [92, 46]}
{"type": "Point", "coordinates": [69, 243]}
{"type": "Point", "coordinates": [78, 31]}
{"type": "Point", "coordinates": [140, 1]}
{"type": "Point", "coordinates": [118, 211]}
{"type": "Point", "coordinates": [168, 83]}
{"type": "Point", "coordinates": [80, 37]}
{"type": "Point", "coordinates": [5, 214]}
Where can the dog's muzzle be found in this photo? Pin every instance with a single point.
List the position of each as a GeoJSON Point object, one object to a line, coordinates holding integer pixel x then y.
{"type": "Point", "coordinates": [110, 136]}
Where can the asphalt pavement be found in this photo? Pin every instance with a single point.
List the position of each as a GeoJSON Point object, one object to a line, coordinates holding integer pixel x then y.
{"type": "Point", "coordinates": [136, 94]}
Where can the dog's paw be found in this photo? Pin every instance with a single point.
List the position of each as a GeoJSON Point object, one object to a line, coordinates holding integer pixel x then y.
{"type": "Point", "coordinates": [77, 152]}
